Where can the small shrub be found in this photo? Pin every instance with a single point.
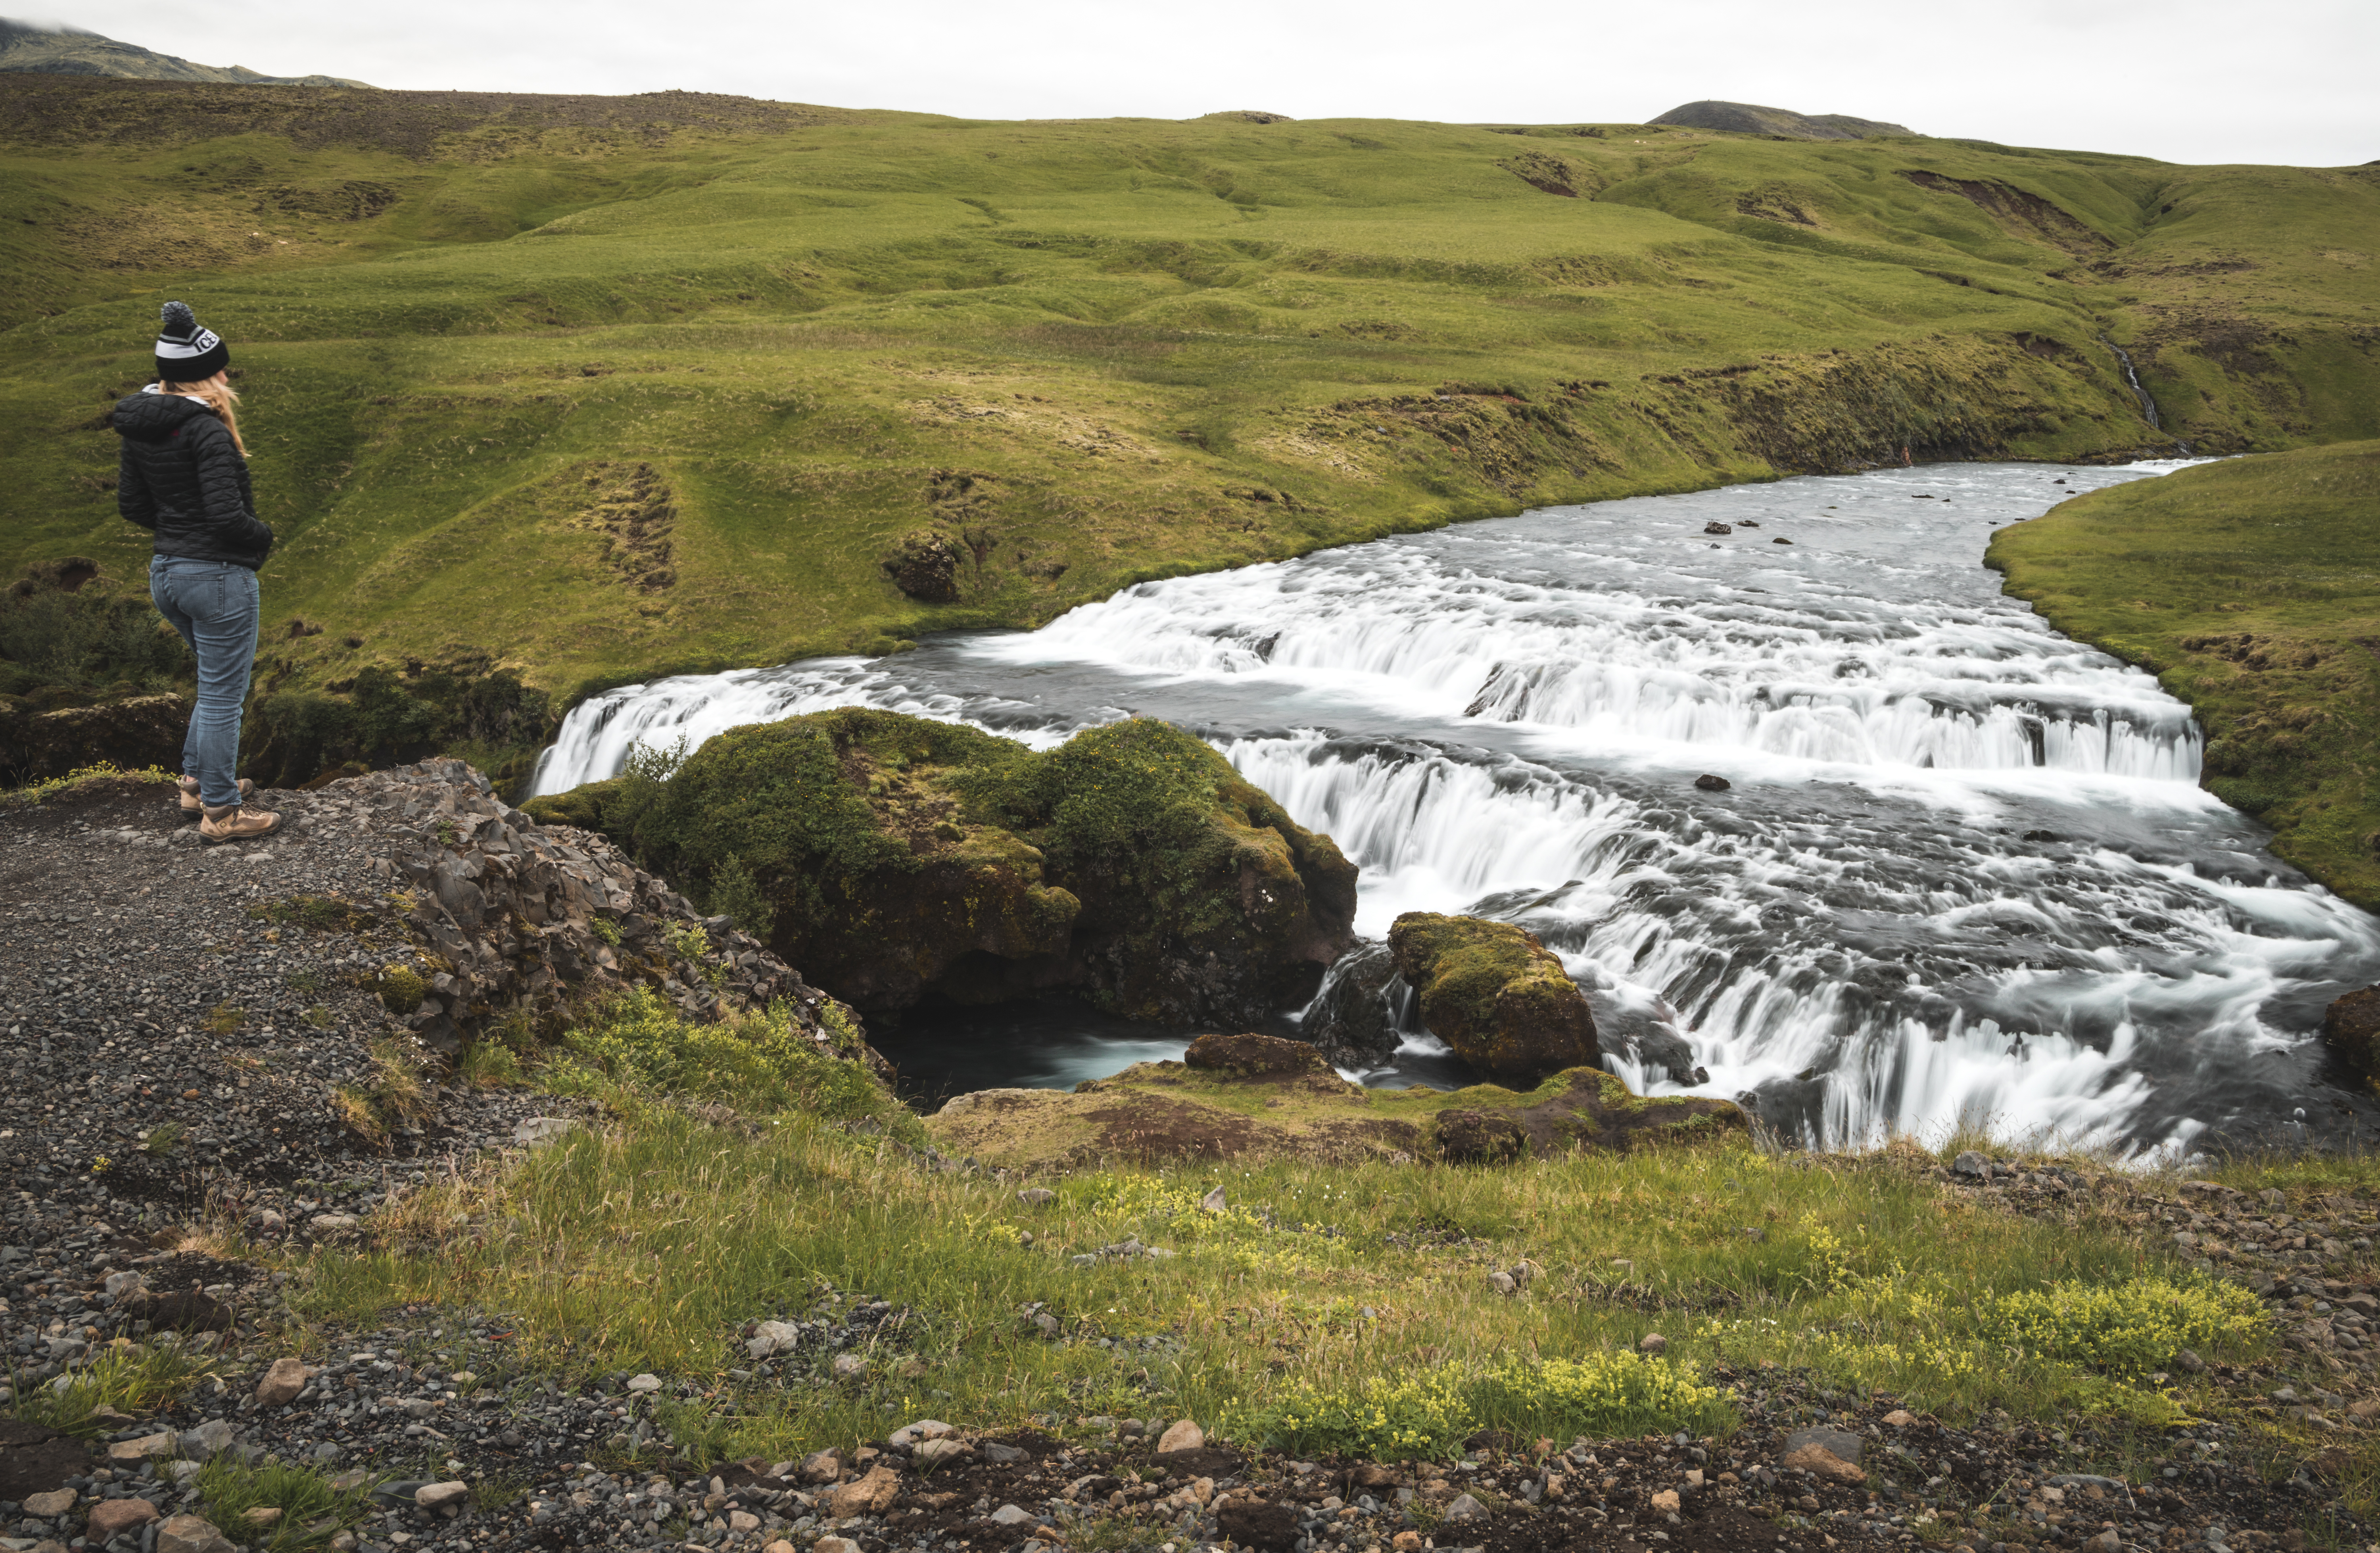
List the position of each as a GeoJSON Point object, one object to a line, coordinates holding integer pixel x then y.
{"type": "Point", "coordinates": [842, 1028]}
{"type": "Point", "coordinates": [162, 1139]}
{"type": "Point", "coordinates": [396, 1086]}
{"type": "Point", "coordinates": [735, 891]}
{"type": "Point", "coordinates": [604, 928]}
{"type": "Point", "coordinates": [401, 989]}
{"type": "Point", "coordinates": [485, 1063]}
{"type": "Point", "coordinates": [95, 637]}
{"type": "Point", "coordinates": [2127, 1328]}
{"type": "Point", "coordinates": [319, 1017]}
{"type": "Point", "coordinates": [224, 1018]}
{"type": "Point", "coordinates": [358, 1115]}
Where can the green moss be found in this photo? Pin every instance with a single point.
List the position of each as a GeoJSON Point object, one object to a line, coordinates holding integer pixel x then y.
{"type": "Point", "coordinates": [583, 806]}
{"type": "Point", "coordinates": [1494, 993]}
{"type": "Point", "coordinates": [760, 1062]}
{"type": "Point", "coordinates": [888, 853]}
{"type": "Point", "coordinates": [2252, 589]}
{"type": "Point", "coordinates": [1165, 1110]}
{"type": "Point", "coordinates": [401, 989]}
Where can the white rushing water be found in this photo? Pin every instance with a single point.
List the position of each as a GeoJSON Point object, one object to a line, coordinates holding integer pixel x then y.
{"type": "Point", "coordinates": [1963, 873]}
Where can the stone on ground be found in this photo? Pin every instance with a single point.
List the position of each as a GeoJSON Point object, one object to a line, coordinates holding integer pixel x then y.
{"type": "Point", "coordinates": [191, 1534]}
{"type": "Point", "coordinates": [281, 1383]}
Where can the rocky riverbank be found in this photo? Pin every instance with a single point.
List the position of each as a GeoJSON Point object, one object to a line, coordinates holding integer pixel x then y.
{"type": "Point", "coordinates": [228, 1066]}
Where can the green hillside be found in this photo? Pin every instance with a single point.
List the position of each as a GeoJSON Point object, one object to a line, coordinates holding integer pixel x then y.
{"type": "Point", "coordinates": [591, 387]}
{"type": "Point", "coordinates": [2251, 589]}
{"type": "Point", "coordinates": [70, 51]}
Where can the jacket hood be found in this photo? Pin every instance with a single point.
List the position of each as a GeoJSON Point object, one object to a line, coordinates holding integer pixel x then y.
{"type": "Point", "coordinates": [152, 417]}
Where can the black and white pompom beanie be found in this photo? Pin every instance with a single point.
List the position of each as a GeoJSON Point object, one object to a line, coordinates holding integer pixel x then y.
{"type": "Point", "coordinates": [187, 352]}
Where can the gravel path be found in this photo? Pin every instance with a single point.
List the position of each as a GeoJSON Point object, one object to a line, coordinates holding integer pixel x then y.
{"type": "Point", "coordinates": [173, 1049]}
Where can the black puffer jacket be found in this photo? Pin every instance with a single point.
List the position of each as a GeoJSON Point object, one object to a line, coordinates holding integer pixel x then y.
{"type": "Point", "coordinates": [182, 475]}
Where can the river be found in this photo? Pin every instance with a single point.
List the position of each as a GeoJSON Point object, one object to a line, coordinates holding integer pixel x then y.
{"type": "Point", "coordinates": [1960, 871]}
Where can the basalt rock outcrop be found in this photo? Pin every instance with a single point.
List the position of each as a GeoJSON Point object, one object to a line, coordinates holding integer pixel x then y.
{"type": "Point", "coordinates": [1494, 994]}
{"type": "Point", "coordinates": [896, 858]}
{"type": "Point", "coordinates": [524, 921]}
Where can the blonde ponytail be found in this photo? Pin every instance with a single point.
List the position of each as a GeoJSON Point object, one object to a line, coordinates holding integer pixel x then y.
{"type": "Point", "coordinates": [220, 397]}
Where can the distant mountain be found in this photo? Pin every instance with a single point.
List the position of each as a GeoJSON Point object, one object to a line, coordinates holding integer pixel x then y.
{"type": "Point", "coordinates": [70, 51]}
{"type": "Point", "coordinates": [1744, 119]}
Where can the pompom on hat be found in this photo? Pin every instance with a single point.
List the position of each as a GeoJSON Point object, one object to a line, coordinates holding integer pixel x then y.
{"type": "Point", "coordinates": [188, 352]}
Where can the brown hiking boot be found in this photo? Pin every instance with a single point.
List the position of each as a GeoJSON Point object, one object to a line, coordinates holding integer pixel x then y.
{"type": "Point", "coordinates": [238, 824]}
{"type": "Point", "coordinates": [192, 809]}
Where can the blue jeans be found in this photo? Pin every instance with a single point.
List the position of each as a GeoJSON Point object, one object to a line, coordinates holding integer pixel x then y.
{"type": "Point", "coordinates": [215, 606]}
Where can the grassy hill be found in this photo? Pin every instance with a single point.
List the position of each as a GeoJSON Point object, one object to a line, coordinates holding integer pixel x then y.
{"type": "Point", "coordinates": [592, 387]}
{"type": "Point", "coordinates": [70, 51]}
{"type": "Point", "coordinates": [2253, 589]}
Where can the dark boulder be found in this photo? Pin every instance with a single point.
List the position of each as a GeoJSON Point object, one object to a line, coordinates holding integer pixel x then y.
{"type": "Point", "coordinates": [2351, 1027]}
{"type": "Point", "coordinates": [37, 1459]}
{"type": "Point", "coordinates": [186, 1311]}
{"type": "Point", "coordinates": [1494, 994]}
{"type": "Point", "coordinates": [925, 565]}
{"type": "Point", "coordinates": [1353, 1021]}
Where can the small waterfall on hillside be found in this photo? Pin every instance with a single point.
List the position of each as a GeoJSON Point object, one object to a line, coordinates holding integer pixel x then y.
{"type": "Point", "coordinates": [2140, 392]}
{"type": "Point", "coordinates": [1958, 870]}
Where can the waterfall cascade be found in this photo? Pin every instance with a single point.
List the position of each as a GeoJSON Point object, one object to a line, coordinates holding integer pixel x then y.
{"type": "Point", "coordinates": [1961, 873]}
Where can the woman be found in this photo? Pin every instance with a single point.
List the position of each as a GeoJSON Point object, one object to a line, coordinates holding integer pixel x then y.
{"type": "Point", "coordinates": [184, 474]}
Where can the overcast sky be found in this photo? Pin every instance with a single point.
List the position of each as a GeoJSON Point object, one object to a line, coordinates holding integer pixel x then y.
{"type": "Point", "coordinates": [2192, 80]}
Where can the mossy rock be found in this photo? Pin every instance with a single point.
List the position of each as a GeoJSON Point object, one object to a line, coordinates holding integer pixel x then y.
{"type": "Point", "coordinates": [1247, 1108]}
{"type": "Point", "coordinates": [1494, 994]}
{"type": "Point", "coordinates": [1581, 1109]}
{"type": "Point", "coordinates": [1254, 1056]}
{"type": "Point", "coordinates": [893, 857]}
{"type": "Point", "coordinates": [582, 806]}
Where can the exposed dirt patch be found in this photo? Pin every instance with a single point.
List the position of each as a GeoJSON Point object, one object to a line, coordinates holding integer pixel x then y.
{"type": "Point", "coordinates": [346, 199]}
{"type": "Point", "coordinates": [1775, 203]}
{"type": "Point", "coordinates": [1551, 174]}
{"type": "Point", "coordinates": [34, 1461]}
{"type": "Point", "coordinates": [2020, 213]}
{"type": "Point", "coordinates": [2253, 650]}
{"type": "Point", "coordinates": [628, 503]}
